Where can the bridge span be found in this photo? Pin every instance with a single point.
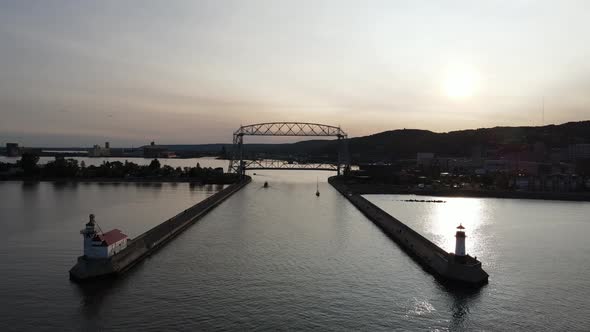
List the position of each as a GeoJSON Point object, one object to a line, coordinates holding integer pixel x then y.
{"type": "Point", "coordinates": [239, 165]}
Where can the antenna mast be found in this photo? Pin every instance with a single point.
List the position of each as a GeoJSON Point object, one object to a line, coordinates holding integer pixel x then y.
{"type": "Point", "coordinates": [543, 117]}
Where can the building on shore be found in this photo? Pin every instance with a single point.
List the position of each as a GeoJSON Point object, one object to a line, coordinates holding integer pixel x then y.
{"type": "Point", "coordinates": [98, 151]}
{"type": "Point", "coordinates": [102, 245]}
{"type": "Point", "coordinates": [157, 151]}
{"type": "Point", "coordinates": [579, 152]}
{"type": "Point", "coordinates": [424, 159]}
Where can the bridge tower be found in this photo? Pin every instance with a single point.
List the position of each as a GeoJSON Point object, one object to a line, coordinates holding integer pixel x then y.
{"type": "Point", "coordinates": [343, 155]}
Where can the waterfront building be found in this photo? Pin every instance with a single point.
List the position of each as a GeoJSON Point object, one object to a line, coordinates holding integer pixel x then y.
{"type": "Point", "coordinates": [156, 151]}
{"type": "Point", "coordinates": [540, 151]}
{"type": "Point", "coordinates": [579, 152]}
{"type": "Point", "coordinates": [102, 245]}
{"type": "Point", "coordinates": [557, 155]}
{"type": "Point", "coordinates": [522, 183]}
{"type": "Point", "coordinates": [98, 151]}
{"type": "Point", "coordinates": [460, 165]}
{"type": "Point", "coordinates": [424, 159]}
{"type": "Point", "coordinates": [492, 166]}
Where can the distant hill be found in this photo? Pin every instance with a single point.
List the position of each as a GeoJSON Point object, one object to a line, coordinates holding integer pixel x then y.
{"type": "Point", "coordinates": [405, 143]}
{"type": "Point", "coordinates": [217, 148]}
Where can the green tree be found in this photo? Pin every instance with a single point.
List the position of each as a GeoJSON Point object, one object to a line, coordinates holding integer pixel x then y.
{"type": "Point", "coordinates": [28, 162]}
{"type": "Point", "coordinates": [61, 167]}
{"type": "Point", "coordinates": [155, 164]}
{"type": "Point", "coordinates": [167, 170]}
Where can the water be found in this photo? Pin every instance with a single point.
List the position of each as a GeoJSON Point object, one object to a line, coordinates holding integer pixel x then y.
{"type": "Point", "coordinates": [536, 253]}
{"type": "Point", "coordinates": [281, 258]}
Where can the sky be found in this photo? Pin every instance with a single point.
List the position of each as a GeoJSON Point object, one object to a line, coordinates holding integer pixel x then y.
{"type": "Point", "coordinates": [78, 73]}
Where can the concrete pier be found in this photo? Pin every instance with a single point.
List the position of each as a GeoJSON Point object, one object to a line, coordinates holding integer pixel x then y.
{"type": "Point", "coordinates": [446, 266]}
{"type": "Point", "coordinates": [148, 242]}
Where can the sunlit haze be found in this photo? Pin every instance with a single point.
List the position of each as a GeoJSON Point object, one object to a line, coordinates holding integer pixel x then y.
{"type": "Point", "coordinates": [79, 72]}
{"type": "Point", "coordinates": [461, 82]}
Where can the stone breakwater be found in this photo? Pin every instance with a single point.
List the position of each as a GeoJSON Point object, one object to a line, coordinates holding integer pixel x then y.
{"type": "Point", "coordinates": [446, 266]}
{"type": "Point", "coordinates": [148, 242]}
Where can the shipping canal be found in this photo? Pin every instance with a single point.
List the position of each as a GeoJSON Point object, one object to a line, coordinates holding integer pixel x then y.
{"type": "Point", "coordinates": [280, 257]}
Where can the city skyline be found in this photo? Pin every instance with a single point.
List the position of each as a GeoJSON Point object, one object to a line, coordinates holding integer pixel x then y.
{"type": "Point", "coordinates": [192, 72]}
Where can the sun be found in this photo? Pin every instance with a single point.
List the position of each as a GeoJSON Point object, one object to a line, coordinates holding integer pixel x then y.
{"type": "Point", "coordinates": [460, 82]}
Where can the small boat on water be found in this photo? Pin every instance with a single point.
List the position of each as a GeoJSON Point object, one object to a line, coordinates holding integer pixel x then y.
{"type": "Point", "coordinates": [317, 188]}
{"type": "Point", "coordinates": [265, 184]}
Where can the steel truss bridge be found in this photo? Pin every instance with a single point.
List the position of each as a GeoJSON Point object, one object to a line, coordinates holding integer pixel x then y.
{"type": "Point", "coordinates": [238, 165]}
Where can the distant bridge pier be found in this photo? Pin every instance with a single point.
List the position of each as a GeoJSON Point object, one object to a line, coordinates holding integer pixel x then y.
{"type": "Point", "coordinates": [238, 155]}
{"type": "Point", "coordinates": [343, 155]}
{"type": "Point", "coordinates": [239, 166]}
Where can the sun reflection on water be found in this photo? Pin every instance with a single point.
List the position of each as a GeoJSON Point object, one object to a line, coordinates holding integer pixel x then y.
{"type": "Point", "coordinates": [420, 307]}
{"type": "Point", "coordinates": [446, 217]}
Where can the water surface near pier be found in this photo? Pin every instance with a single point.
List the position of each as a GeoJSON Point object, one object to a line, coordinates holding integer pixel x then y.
{"type": "Point", "coordinates": [536, 252]}
{"type": "Point", "coordinates": [281, 258]}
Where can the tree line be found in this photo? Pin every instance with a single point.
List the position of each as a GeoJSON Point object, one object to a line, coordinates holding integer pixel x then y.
{"type": "Point", "coordinates": [62, 168]}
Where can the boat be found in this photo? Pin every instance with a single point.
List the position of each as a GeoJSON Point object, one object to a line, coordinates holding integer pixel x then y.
{"type": "Point", "coordinates": [265, 184]}
{"type": "Point", "coordinates": [317, 188]}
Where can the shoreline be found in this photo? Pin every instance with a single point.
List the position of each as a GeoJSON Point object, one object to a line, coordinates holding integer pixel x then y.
{"type": "Point", "coordinates": [114, 180]}
{"type": "Point", "coordinates": [387, 189]}
{"type": "Point", "coordinates": [114, 157]}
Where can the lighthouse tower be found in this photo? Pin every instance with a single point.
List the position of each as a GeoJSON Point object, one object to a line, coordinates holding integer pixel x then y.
{"type": "Point", "coordinates": [89, 233]}
{"type": "Point", "coordinates": [460, 241]}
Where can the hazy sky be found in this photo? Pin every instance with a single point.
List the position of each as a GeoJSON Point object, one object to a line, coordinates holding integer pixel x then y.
{"type": "Point", "coordinates": [82, 72]}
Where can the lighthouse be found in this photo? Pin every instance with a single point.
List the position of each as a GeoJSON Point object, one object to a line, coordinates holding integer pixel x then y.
{"type": "Point", "coordinates": [99, 245]}
{"type": "Point", "coordinates": [89, 233]}
{"type": "Point", "coordinates": [460, 241]}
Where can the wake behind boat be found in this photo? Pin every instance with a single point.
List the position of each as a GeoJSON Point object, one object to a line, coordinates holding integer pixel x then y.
{"type": "Point", "coordinates": [317, 188]}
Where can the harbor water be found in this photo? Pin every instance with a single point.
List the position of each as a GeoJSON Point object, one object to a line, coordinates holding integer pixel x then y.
{"type": "Point", "coordinates": [280, 258]}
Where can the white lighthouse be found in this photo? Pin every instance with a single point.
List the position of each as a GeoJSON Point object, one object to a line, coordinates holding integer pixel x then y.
{"type": "Point", "coordinates": [460, 241]}
{"type": "Point", "coordinates": [102, 245]}
{"type": "Point", "coordinates": [89, 233]}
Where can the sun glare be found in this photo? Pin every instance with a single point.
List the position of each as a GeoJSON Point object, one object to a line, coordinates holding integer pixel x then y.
{"type": "Point", "coordinates": [460, 82]}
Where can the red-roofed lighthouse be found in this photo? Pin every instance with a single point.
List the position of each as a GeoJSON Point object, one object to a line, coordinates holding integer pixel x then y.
{"type": "Point", "coordinates": [103, 245]}
{"type": "Point", "coordinates": [460, 241]}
